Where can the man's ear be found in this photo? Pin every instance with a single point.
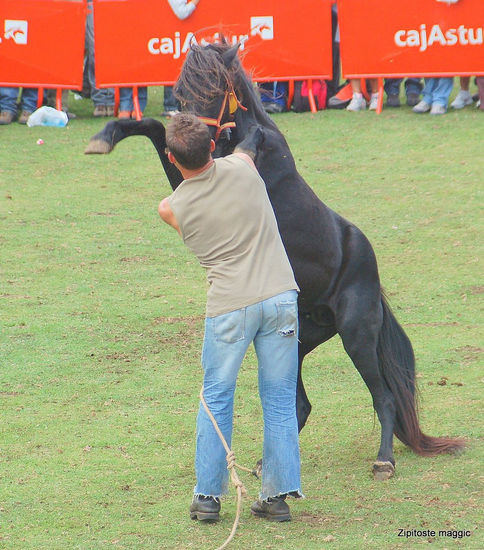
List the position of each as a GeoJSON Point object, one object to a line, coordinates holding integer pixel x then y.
{"type": "Point", "coordinates": [171, 157]}
{"type": "Point", "coordinates": [212, 146]}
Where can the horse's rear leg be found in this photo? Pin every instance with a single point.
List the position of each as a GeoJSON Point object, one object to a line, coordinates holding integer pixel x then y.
{"type": "Point", "coordinates": [359, 326]}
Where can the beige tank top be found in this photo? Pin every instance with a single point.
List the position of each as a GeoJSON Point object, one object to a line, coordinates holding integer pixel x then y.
{"type": "Point", "coordinates": [227, 221]}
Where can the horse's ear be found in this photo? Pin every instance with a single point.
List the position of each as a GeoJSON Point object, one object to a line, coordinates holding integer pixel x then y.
{"type": "Point", "coordinates": [229, 56]}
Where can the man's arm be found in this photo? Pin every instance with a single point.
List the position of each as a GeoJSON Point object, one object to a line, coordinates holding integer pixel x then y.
{"type": "Point", "coordinates": [167, 215]}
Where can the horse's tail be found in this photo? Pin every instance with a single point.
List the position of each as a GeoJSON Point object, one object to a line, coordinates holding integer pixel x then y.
{"type": "Point", "coordinates": [397, 365]}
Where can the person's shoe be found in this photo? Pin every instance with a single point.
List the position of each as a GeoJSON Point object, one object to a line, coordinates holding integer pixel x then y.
{"type": "Point", "coordinates": [273, 108]}
{"type": "Point", "coordinates": [462, 99]}
{"type": "Point", "coordinates": [205, 508]}
{"type": "Point", "coordinates": [412, 100]}
{"type": "Point", "coordinates": [373, 102]}
{"type": "Point", "coordinates": [341, 99]}
{"type": "Point", "coordinates": [6, 117]}
{"type": "Point", "coordinates": [170, 114]}
{"type": "Point", "coordinates": [357, 103]}
{"type": "Point", "coordinates": [133, 115]}
{"type": "Point", "coordinates": [273, 509]}
{"type": "Point", "coordinates": [393, 100]}
{"type": "Point", "coordinates": [99, 111]}
{"type": "Point", "coordinates": [109, 110]}
{"type": "Point", "coordinates": [422, 107]}
{"type": "Point", "coordinates": [438, 109]}
{"type": "Point", "coordinates": [124, 114]}
{"type": "Point", "coordinates": [24, 116]}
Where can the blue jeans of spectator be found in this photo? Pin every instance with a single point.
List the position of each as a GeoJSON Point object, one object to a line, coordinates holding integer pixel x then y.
{"type": "Point", "coordinates": [273, 327]}
{"type": "Point", "coordinates": [170, 103]}
{"type": "Point", "coordinates": [412, 86]}
{"type": "Point", "coordinates": [9, 96]}
{"type": "Point", "coordinates": [126, 98]}
{"type": "Point", "coordinates": [437, 91]}
{"type": "Point", "coordinates": [99, 96]}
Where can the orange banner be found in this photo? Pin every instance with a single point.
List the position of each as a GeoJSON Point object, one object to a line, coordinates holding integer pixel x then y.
{"type": "Point", "coordinates": [415, 37]}
{"type": "Point", "coordinates": [42, 43]}
{"type": "Point", "coordinates": [144, 42]}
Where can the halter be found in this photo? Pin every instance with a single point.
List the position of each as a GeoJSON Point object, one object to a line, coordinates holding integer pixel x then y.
{"type": "Point", "coordinates": [234, 104]}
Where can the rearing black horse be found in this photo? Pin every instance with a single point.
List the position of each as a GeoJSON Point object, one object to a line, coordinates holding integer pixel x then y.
{"type": "Point", "coordinates": [333, 261]}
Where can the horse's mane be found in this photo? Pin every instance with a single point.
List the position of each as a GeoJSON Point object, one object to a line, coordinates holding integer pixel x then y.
{"type": "Point", "coordinates": [205, 76]}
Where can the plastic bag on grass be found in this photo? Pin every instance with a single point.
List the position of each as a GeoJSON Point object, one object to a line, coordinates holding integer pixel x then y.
{"type": "Point", "coordinates": [47, 116]}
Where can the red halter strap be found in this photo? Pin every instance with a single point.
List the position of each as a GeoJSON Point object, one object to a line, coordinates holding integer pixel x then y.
{"type": "Point", "coordinates": [234, 104]}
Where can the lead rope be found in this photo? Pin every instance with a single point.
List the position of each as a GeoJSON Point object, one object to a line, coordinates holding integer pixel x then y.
{"type": "Point", "coordinates": [231, 465]}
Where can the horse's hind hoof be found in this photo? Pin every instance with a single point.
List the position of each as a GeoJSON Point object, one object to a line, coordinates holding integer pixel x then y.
{"type": "Point", "coordinates": [98, 147]}
{"type": "Point", "coordinates": [383, 470]}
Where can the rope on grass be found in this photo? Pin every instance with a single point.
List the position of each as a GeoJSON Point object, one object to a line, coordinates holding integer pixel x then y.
{"type": "Point", "coordinates": [231, 466]}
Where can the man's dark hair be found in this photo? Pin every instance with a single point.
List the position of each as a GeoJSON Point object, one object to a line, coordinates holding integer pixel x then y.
{"type": "Point", "coordinates": [188, 138]}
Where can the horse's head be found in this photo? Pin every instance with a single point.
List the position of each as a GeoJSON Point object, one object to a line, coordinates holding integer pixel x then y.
{"type": "Point", "coordinates": [210, 87]}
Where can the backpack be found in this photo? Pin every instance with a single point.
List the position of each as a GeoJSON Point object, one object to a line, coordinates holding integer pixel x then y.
{"type": "Point", "coordinates": [300, 102]}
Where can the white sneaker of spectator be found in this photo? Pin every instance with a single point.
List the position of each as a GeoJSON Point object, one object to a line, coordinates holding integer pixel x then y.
{"type": "Point", "coordinates": [462, 99]}
{"type": "Point", "coordinates": [373, 102]}
{"type": "Point", "coordinates": [357, 103]}
{"type": "Point", "coordinates": [437, 109]}
{"type": "Point", "coordinates": [422, 107]}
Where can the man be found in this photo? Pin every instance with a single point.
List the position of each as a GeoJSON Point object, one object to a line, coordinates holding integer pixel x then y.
{"type": "Point", "coordinates": [224, 216]}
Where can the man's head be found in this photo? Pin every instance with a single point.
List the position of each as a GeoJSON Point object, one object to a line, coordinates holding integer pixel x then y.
{"type": "Point", "coordinates": [188, 140]}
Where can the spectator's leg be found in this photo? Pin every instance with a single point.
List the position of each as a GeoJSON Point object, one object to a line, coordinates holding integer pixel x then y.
{"type": "Point", "coordinates": [392, 89]}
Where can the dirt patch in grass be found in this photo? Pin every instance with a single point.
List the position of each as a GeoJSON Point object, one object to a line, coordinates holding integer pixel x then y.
{"type": "Point", "coordinates": [469, 353]}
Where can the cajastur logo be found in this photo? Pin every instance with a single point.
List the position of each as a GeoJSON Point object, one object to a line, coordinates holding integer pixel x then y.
{"type": "Point", "coordinates": [262, 26]}
{"type": "Point", "coordinates": [16, 31]}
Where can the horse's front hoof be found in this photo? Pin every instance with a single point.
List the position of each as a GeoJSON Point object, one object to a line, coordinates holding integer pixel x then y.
{"type": "Point", "coordinates": [383, 470]}
{"type": "Point", "coordinates": [98, 147]}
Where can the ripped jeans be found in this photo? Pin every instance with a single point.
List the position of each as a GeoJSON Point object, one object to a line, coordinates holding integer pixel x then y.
{"type": "Point", "coordinates": [273, 327]}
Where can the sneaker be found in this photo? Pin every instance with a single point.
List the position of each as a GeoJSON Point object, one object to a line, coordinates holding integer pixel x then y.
{"type": "Point", "coordinates": [170, 114]}
{"type": "Point", "coordinates": [462, 99]}
{"type": "Point", "coordinates": [357, 103]}
{"type": "Point", "coordinates": [109, 110]}
{"type": "Point", "coordinates": [422, 107]}
{"type": "Point", "coordinates": [438, 109]}
{"type": "Point", "coordinates": [342, 98]}
{"type": "Point", "coordinates": [6, 117]}
{"type": "Point", "coordinates": [24, 116]}
{"type": "Point", "coordinates": [373, 102]}
{"type": "Point", "coordinates": [99, 111]}
{"type": "Point", "coordinates": [273, 509]}
{"type": "Point", "coordinates": [273, 108]}
{"type": "Point", "coordinates": [393, 100]}
{"type": "Point", "coordinates": [205, 508]}
{"type": "Point", "coordinates": [124, 114]}
{"type": "Point", "coordinates": [412, 99]}
{"type": "Point", "coordinates": [133, 115]}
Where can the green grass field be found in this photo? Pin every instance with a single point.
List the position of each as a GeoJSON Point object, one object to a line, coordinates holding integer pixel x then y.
{"type": "Point", "coordinates": [101, 316]}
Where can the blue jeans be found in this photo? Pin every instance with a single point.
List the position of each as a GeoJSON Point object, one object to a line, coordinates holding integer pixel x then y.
{"type": "Point", "coordinates": [99, 96]}
{"type": "Point", "coordinates": [9, 96]}
{"type": "Point", "coordinates": [273, 327]}
{"type": "Point", "coordinates": [437, 90]}
{"type": "Point", "coordinates": [126, 98]}
{"type": "Point", "coordinates": [412, 86]}
{"type": "Point", "coordinates": [170, 102]}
